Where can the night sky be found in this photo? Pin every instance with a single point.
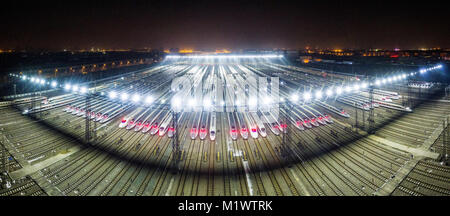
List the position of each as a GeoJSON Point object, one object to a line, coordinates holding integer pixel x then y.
{"type": "Point", "coordinates": [224, 24]}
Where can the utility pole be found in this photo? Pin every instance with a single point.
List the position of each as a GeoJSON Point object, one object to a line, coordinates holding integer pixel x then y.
{"type": "Point", "coordinates": [87, 131]}
{"type": "Point", "coordinates": [175, 144]}
{"type": "Point", "coordinates": [371, 112]}
{"type": "Point", "coordinates": [356, 115]}
{"type": "Point", "coordinates": [4, 168]}
{"type": "Point", "coordinates": [445, 141]}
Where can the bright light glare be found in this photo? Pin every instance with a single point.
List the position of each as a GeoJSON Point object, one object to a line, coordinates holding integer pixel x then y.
{"type": "Point", "coordinates": [339, 90]}
{"type": "Point", "coordinates": [192, 102]}
{"type": "Point", "coordinates": [356, 87]}
{"type": "Point", "coordinates": [206, 102]}
{"type": "Point", "coordinates": [54, 84]}
{"type": "Point", "coordinates": [238, 103]}
{"type": "Point", "coordinates": [24, 77]}
{"type": "Point", "coordinates": [148, 99]}
{"type": "Point", "coordinates": [329, 92]}
{"type": "Point", "coordinates": [75, 88]}
{"type": "Point", "coordinates": [135, 98]}
{"type": "Point", "coordinates": [318, 94]}
{"type": "Point", "coordinates": [364, 85]}
{"type": "Point", "coordinates": [175, 102]}
{"type": "Point", "coordinates": [378, 82]}
{"type": "Point", "coordinates": [112, 94]}
{"type": "Point", "coordinates": [42, 81]}
{"type": "Point", "coordinates": [67, 87]}
{"type": "Point", "coordinates": [294, 97]}
{"type": "Point", "coordinates": [252, 102]}
{"type": "Point", "coordinates": [306, 96]}
{"type": "Point", "coordinates": [267, 100]}
{"type": "Point", "coordinates": [348, 89]}
{"type": "Point", "coordinates": [83, 89]}
{"type": "Point", "coordinates": [124, 96]}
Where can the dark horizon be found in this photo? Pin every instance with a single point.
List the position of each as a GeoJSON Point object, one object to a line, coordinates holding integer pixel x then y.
{"type": "Point", "coordinates": [210, 25]}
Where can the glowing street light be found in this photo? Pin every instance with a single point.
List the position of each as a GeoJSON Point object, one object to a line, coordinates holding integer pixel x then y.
{"type": "Point", "coordinates": [318, 94]}
{"type": "Point", "coordinates": [124, 96]}
{"type": "Point", "coordinates": [54, 83]}
{"type": "Point", "coordinates": [191, 102]}
{"type": "Point", "coordinates": [149, 99]}
{"type": "Point", "coordinates": [329, 92]}
{"type": "Point", "coordinates": [67, 87]}
{"type": "Point", "coordinates": [112, 94]}
{"type": "Point", "coordinates": [364, 85]}
{"type": "Point", "coordinates": [339, 90]}
{"type": "Point", "coordinates": [307, 96]}
{"type": "Point", "coordinates": [348, 89]}
{"type": "Point", "coordinates": [294, 97]}
{"type": "Point", "coordinates": [135, 98]}
{"type": "Point", "coordinates": [252, 102]}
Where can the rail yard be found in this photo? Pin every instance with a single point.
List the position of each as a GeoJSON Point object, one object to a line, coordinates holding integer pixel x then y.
{"type": "Point", "coordinates": [232, 126]}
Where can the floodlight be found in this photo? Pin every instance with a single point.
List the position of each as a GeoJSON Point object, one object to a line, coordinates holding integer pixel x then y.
{"type": "Point", "coordinates": [348, 89]}
{"type": "Point", "coordinates": [112, 94]}
{"type": "Point", "coordinates": [149, 99]}
{"type": "Point", "coordinates": [318, 94]}
{"type": "Point", "coordinates": [364, 85]}
{"type": "Point", "coordinates": [294, 97]}
{"type": "Point", "coordinates": [306, 96]}
{"type": "Point", "coordinates": [135, 98]}
{"type": "Point", "coordinates": [124, 96]}
{"type": "Point", "coordinates": [338, 90]}
{"type": "Point", "coordinates": [252, 102]}
{"type": "Point", "coordinates": [67, 87]}
{"type": "Point", "coordinates": [192, 102]}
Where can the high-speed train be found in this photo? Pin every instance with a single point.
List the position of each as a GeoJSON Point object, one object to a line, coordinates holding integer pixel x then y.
{"type": "Point", "coordinates": [338, 111]}
{"type": "Point", "coordinates": [273, 124]}
{"type": "Point", "coordinates": [156, 124]}
{"type": "Point", "coordinates": [243, 127]}
{"type": "Point", "coordinates": [171, 130]}
{"type": "Point", "coordinates": [233, 127]}
{"type": "Point", "coordinates": [302, 117]}
{"type": "Point", "coordinates": [354, 103]}
{"type": "Point", "coordinates": [311, 117]}
{"type": "Point", "coordinates": [204, 126]}
{"type": "Point", "coordinates": [194, 127]}
{"type": "Point", "coordinates": [212, 127]}
{"type": "Point", "coordinates": [253, 127]}
{"type": "Point", "coordinates": [165, 125]}
{"type": "Point", "coordinates": [315, 115]}
{"type": "Point", "coordinates": [260, 125]}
